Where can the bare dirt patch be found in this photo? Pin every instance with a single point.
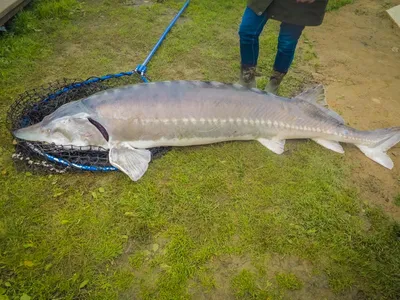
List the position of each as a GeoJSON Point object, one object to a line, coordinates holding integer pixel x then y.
{"type": "Point", "coordinates": [315, 283]}
{"type": "Point", "coordinates": [357, 48]}
{"type": "Point", "coordinates": [226, 267]}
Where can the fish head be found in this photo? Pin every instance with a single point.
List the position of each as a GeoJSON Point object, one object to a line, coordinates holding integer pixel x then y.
{"type": "Point", "coordinates": [77, 130]}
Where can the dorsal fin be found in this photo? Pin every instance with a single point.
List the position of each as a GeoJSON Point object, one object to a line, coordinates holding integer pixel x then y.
{"type": "Point", "coordinates": [316, 96]}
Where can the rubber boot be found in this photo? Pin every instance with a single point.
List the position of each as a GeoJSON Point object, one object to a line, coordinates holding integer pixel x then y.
{"type": "Point", "coordinates": [274, 82]}
{"type": "Point", "coordinates": [248, 76]}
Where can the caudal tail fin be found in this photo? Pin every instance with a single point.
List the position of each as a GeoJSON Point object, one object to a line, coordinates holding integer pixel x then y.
{"type": "Point", "coordinates": [388, 138]}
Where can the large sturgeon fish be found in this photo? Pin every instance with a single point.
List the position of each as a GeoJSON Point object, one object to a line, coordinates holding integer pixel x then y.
{"type": "Point", "coordinates": [130, 119]}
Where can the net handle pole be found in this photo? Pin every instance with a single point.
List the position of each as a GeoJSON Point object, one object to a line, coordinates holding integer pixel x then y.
{"type": "Point", "coordinates": [143, 67]}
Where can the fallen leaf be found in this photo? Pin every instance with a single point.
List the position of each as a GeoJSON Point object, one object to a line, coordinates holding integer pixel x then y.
{"type": "Point", "coordinates": [58, 194]}
{"type": "Point", "coordinates": [25, 297]}
{"type": "Point", "coordinates": [28, 263]}
{"type": "Point", "coordinates": [84, 283]}
{"type": "Point", "coordinates": [376, 100]}
{"type": "Point", "coordinates": [74, 277]}
{"type": "Point", "coordinates": [155, 247]}
{"type": "Point", "coordinates": [101, 190]}
{"type": "Point", "coordinates": [311, 231]}
{"type": "Point", "coordinates": [165, 266]}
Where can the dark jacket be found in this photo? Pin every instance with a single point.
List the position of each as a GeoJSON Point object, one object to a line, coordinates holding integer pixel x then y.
{"type": "Point", "coordinates": [289, 11]}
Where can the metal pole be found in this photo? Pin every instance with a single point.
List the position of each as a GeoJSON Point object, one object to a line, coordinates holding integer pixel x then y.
{"type": "Point", "coordinates": [142, 68]}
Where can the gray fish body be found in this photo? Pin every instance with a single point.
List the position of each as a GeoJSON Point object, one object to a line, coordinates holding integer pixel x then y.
{"type": "Point", "coordinates": [187, 113]}
{"type": "Point", "coordinates": [184, 113]}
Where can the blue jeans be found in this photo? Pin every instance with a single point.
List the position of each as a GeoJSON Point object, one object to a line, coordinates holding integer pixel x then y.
{"type": "Point", "coordinates": [249, 32]}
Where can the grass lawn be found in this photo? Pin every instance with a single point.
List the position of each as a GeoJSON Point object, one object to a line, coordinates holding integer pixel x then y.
{"type": "Point", "coordinates": [231, 220]}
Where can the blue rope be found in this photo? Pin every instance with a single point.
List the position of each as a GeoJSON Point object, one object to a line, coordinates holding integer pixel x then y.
{"type": "Point", "coordinates": [81, 167]}
{"type": "Point", "coordinates": [141, 69]}
{"type": "Point", "coordinates": [89, 81]}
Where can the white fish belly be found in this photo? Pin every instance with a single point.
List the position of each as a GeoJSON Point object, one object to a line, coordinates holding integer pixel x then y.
{"type": "Point", "coordinates": [181, 142]}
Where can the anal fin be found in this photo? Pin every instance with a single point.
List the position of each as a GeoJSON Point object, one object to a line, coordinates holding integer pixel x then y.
{"type": "Point", "coordinates": [275, 145]}
{"type": "Point", "coordinates": [133, 162]}
{"type": "Point", "coordinates": [331, 145]}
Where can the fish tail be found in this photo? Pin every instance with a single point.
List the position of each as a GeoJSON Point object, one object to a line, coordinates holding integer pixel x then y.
{"type": "Point", "coordinates": [385, 139]}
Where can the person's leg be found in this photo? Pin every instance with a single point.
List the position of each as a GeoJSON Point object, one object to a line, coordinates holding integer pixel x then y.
{"type": "Point", "coordinates": [249, 32]}
{"type": "Point", "coordinates": [287, 42]}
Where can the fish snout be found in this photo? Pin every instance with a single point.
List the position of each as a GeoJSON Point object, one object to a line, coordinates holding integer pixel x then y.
{"type": "Point", "coordinates": [31, 133]}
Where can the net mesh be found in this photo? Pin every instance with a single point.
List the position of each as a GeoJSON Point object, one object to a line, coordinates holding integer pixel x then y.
{"type": "Point", "coordinates": [32, 106]}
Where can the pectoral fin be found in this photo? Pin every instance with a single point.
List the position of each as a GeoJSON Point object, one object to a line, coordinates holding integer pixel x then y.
{"type": "Point", "coordinates": [275, 145]}
{"type": "Point", "coordinates": [133, 162]}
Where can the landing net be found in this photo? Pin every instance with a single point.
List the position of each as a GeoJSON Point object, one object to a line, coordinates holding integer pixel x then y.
{"type": "Point", "coordinates": [32, 106]}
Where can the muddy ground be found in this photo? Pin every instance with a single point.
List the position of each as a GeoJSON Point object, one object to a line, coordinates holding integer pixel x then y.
{"type": "Point", "coordinates": [358, 48]}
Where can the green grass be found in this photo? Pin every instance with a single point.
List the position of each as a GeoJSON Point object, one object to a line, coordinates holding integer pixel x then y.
{"type": "Point", "coordinates": [397, 200]}
{"type": "Point", "coordinates": [228, 220]}
{"type": "Point", "coordinates": [336, 4]}
{"type": "Point", "coordinates": [288, 281]}
{"type": "Point", "coordinates": [245, 286]}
